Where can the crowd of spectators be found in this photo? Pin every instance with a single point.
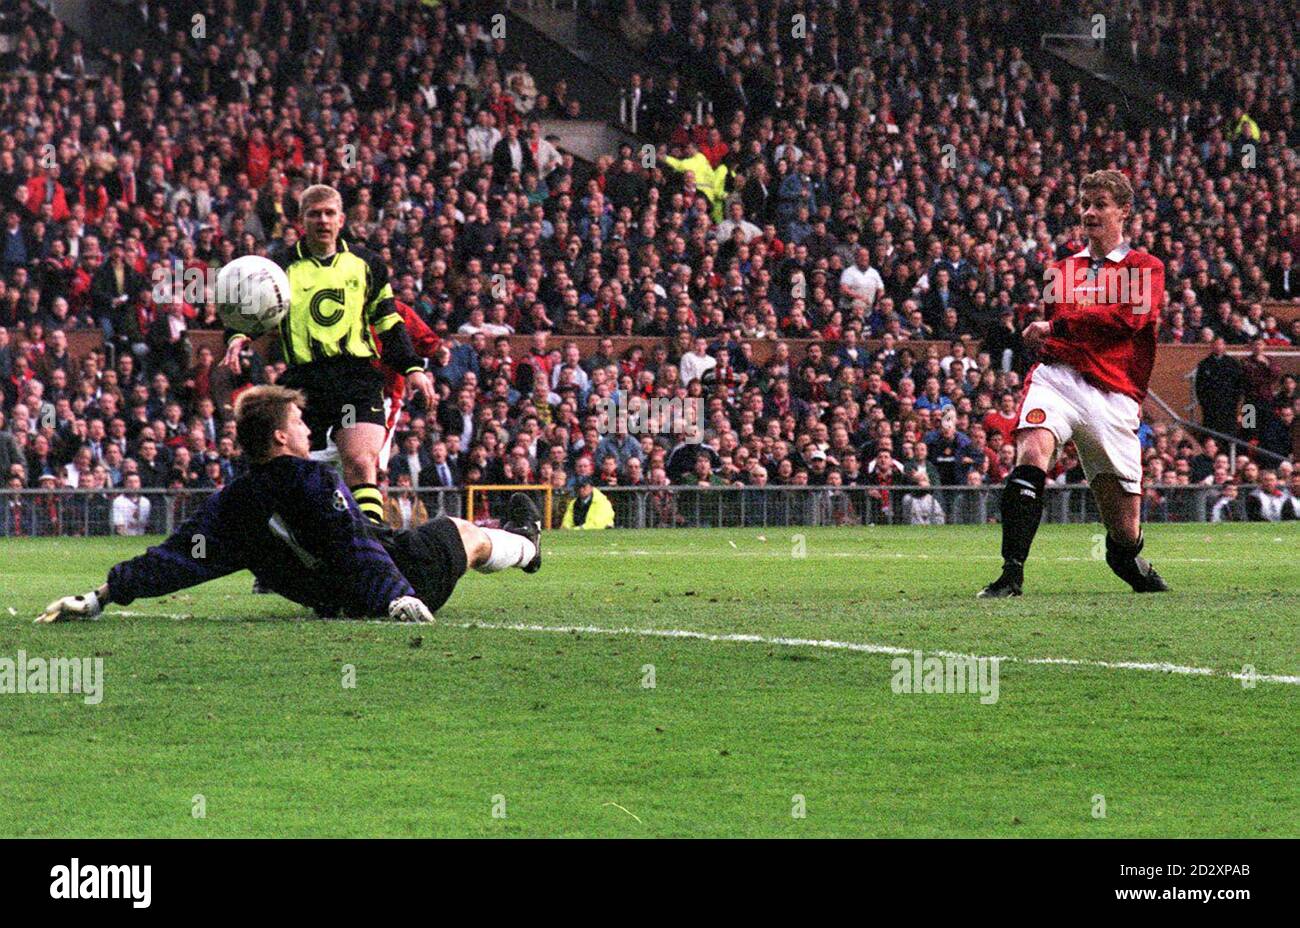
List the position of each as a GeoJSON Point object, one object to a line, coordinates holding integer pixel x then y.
{"type": "Point", "coordinates": [873, 178]}
{"type": "Point", "coordinates": [1243, 54]}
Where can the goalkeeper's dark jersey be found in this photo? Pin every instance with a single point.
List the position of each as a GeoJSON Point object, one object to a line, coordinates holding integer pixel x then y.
{"type": "Point", "coordinates": [294, 525]}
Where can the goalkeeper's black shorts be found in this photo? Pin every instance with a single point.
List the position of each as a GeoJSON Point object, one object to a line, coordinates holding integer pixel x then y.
{"type": "Point", "coordinates": [432, 557]}
{"type": "Point", "coordinates": [340, 392]}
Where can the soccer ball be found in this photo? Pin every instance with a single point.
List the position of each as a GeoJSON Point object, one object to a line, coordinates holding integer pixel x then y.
{"type": "Point", "coordinates": [252, 294]}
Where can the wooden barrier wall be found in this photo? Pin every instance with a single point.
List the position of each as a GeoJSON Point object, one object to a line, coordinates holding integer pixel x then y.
{"type": "Point", "coordinates": [1170, 379]}
{"type": "Point", "coordinates": [1286, 313]}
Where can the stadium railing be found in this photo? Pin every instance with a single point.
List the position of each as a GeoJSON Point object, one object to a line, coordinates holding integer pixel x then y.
{"type": "Point", "coordinates": [628, 117]}
{"type": "Point", "coordinates": [1095, 35]}
{"type": "Point", "coordinates": [758, 507]}
{"type": "Point", "coordinates": [81, 513]}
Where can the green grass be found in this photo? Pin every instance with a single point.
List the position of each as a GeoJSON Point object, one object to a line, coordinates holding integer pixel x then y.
{"type": "Point", "coordinates": [236, 704]}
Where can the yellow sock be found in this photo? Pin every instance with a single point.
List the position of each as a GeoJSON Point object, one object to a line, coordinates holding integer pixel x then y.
{"type": "Point", "coordinates": [370, 502]}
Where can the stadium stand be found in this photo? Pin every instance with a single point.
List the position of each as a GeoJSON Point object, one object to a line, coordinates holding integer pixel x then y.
{"type": "Point", "coordinates": [823, 226]}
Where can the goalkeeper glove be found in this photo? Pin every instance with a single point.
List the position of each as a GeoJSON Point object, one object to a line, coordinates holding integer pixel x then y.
{"type": "Point", "coordinates": [409, 609]}
{"type": "Point", "coordinates": [86, 606]}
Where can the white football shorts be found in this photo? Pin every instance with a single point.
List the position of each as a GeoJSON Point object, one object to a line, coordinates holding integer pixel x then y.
{"type": "Point", "coordinates": [1102, 424]}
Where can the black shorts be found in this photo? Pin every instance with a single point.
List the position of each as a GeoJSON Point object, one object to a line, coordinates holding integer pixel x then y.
{"type": "Point", "coordinates": [432, 557]}
{"type": "Point", "coordinates": [339, 391]}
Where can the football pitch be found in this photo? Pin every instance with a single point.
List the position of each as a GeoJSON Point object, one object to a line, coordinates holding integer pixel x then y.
{"type": "Point", "coordinates": [726, 682]}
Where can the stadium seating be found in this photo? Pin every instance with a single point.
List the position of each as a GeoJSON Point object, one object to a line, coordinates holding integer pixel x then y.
{"type": "Point", "coordinates": [770, 143]}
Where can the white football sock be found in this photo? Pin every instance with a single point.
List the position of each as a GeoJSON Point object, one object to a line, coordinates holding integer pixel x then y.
{"type": "Point", "coordinates": [508, 550]}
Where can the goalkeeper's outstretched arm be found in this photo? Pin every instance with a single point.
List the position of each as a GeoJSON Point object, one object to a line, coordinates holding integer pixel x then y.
{"type": "Point", "coordinates": [162, 569]}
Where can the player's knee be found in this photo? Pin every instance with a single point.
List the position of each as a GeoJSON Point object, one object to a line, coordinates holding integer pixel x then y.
{"type": "Point", "coordinates": [359, 467]}
{"type": "Point", "coordinates": [478, 547]}
{"type": "Point", "coordinates": [1121, 510]}
{"type": "Point", "coordinates": [1034, 448]}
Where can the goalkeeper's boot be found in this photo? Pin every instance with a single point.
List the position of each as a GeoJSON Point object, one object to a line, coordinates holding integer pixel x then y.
{"type": "Point", "coordinates": [1010, 583]}
{"type": "Point", "coordinates": [70, 608]}
{"type": "Point", "coordinates": [527, 521]}
{"type": "Point", "coordinates": [1136, 571]}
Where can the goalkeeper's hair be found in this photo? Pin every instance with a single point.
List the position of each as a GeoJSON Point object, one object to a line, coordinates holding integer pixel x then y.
{"type": "Point", "coordinates": [319, 193]}
{"type": "Point", "coordinates": [259, 411]}
{"type": "Point", "coordinates": [1113, 182]}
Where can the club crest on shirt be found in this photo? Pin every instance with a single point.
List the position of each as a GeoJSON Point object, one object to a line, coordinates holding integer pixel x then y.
{"type": "Point", "coordinates": [1035, 417]}
{"type": "Point", "coordinates": [340, 501]}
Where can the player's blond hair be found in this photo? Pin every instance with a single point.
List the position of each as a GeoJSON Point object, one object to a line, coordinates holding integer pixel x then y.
{"type": "Point", "coordinates": [259, 411]}
{"type": "Point", "coordinates": [319, 193]}
{"type": "Point", "coordinates": [1113, 182]}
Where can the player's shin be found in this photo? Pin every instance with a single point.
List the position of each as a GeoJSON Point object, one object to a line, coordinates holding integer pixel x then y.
{"type": "Point", "coordinates": [1022, 510]}
{"type": "Point", "coordinates": [508, 550]}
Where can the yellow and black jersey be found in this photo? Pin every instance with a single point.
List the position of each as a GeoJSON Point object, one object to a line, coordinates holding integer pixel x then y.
{"type": "Point", "coordinates": [338, 306]}
{"type": "Point", "coordinates": [334, 302]}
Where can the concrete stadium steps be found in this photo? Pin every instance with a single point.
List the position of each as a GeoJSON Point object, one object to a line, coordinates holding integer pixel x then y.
{"type": "Point", "coordinates": [595, 44]}
{"type": "Point", "coordinates": [1116, 72]}
{"type": "Point", "coordinates": [106, 24]}
{"type": "Point", "coordinates": [550, 60]}
{"type": "Point", "coordinates": [588, 139]}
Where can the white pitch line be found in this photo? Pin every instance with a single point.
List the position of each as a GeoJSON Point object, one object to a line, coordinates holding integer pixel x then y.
{"type": "Point", "coordinates": [857, 555]}
{"type": "Point", "coordinates": [867, 648]}
{"type": "Point", "coordinates": [781, 641]}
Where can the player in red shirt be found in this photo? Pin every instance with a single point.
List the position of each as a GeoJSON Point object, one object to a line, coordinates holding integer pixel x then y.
{"type": "Point", "coordinates": [1097, 347]}
{"type": "Point", "coordinates": [426, 343]}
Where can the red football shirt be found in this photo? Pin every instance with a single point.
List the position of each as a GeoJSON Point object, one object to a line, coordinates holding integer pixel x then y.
{"type": "Point", "coordinates": [1105, 315]}
{"type": "Point", "coordinates": [425, 341]}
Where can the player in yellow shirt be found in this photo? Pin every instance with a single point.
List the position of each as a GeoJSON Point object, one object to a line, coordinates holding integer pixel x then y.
{"type": "Point", "coordinates": [340, 302]}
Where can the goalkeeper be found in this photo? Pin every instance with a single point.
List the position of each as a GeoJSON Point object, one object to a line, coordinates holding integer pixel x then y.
{"type": "Point", "coordinates": [300, 532]}
{"type": "Point", "coordinates": [337, 295]}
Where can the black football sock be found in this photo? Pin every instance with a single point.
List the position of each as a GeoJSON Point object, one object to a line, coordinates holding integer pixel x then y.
{"type": "Point", "coordinates": [1022, 510]}
{"type": "Point", "coordinates": [370, 502]}
{"type": "Point", "coordinates": [1122, 558]}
